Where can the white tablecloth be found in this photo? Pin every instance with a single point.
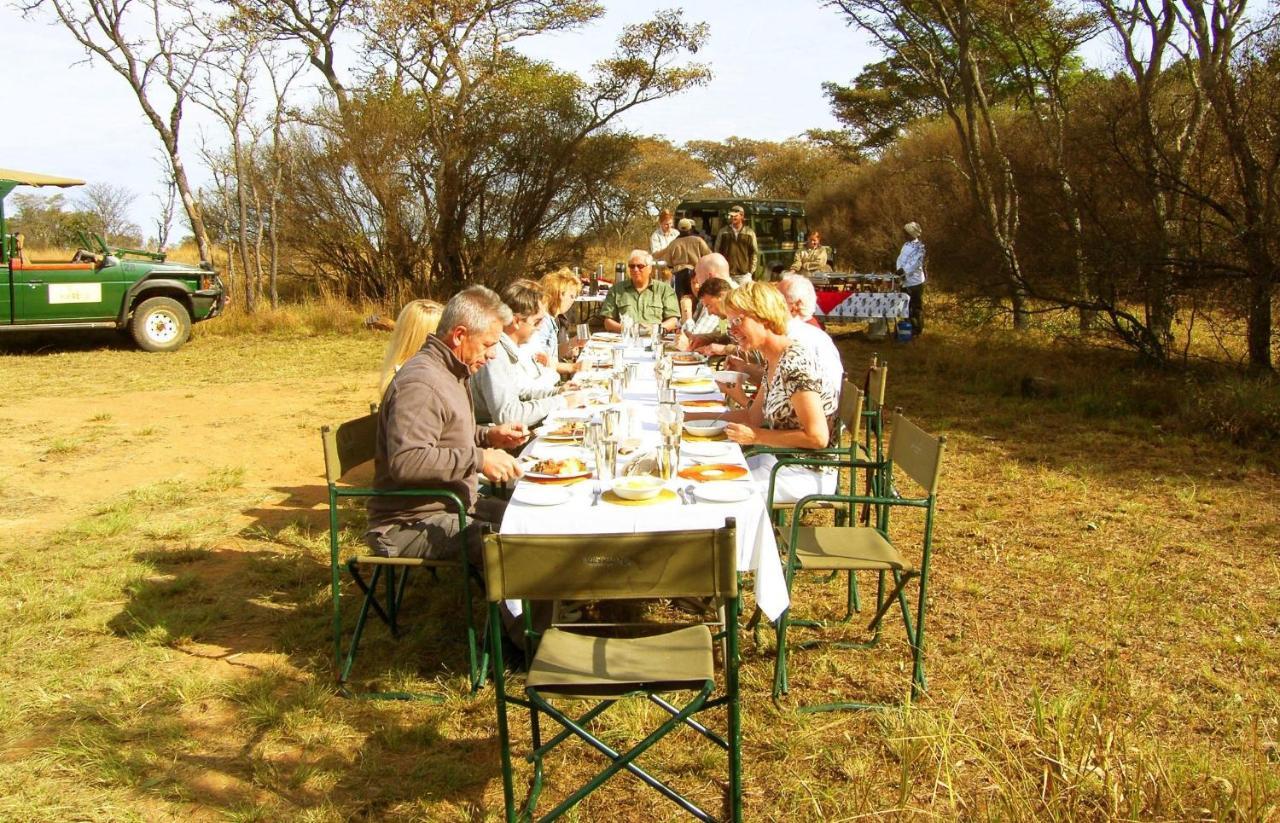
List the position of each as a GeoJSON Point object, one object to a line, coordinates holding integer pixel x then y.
{"type": "Point", "coordinates": [871, 306]}
{"type": "Point", "coordinates": [757, 549]}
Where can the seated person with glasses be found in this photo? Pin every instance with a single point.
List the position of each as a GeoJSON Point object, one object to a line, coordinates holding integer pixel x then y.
{"type": "Point", "coordinates": [510, 389]}
{"type": "Point", "coordinates": [793, 406]}
{"type": "Point", "coordinates": [648, 301]}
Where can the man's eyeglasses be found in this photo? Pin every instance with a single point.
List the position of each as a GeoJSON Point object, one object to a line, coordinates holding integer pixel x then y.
{"type": "Point", "coordinates": [637, 265]}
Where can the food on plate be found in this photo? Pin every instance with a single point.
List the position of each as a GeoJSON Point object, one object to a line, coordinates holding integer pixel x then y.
{"type": "Point", "coordinates": [569, 428]}
{"type": "Point", "coordinates": [687, 358]}
{"type": "Point", "coordinates": [567, 467]}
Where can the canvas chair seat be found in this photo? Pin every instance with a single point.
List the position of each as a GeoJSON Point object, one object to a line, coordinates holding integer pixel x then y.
{"type": "Point", "coordinates": [579, 665]}
{"type": "Point", "coordinates": [828, 548]}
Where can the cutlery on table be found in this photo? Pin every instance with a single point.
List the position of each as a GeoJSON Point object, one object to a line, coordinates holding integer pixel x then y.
{"type": "Point", "coordinates": [688, 490]}
{"type": "Point", "coordinates": [595, 494]}
{"type": "Point", "coordinates": [680, 493]}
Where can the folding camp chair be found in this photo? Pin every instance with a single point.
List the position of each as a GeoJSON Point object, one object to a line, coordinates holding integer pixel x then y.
{"type": "Point", "coordinates": [873, 385]}
{"type": "Point", "coordinates": [565, 664]}
{"type": "Point", "coordinates": [346, 447]}
{"type": "Point", "coordinates": [855, 548]}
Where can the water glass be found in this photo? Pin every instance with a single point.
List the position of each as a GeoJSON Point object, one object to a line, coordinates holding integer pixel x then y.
{"type": "Point", "coordinates": [606, 459]}
{"type": "Point", "coordinates": [666, 393]}
{"type": "Point", "coordinates": [668, 418]}
{"type": "Point", "coordinates": [593, 436]}
{"type": "Point", "coordinates": [669, 459]}
{"type": "Point", "coordinates": [616, 387]}
{"type": "Point", "coordinates": [612, 424]}
{"type": "Point", "coordinates": [655, 340]}
{"type": "Point", "coordinates": [619, 359]}
{"type": "Point", "coordinates": [584, 333]}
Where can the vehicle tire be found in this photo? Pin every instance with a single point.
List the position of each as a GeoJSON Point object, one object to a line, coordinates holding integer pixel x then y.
{"type": "Point", "coordinates": [160, 324]}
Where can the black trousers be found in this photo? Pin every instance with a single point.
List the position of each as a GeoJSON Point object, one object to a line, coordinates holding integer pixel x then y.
{"type": "Point", "coordinates": [915, 308]}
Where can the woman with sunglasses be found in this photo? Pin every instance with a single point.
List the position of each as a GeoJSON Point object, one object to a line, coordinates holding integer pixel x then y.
{"type": "Point", "coordinates": [793, 408]}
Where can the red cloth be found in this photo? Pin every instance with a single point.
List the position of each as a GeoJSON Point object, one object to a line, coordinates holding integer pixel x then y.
{"type": "Point", "coordinates": [828, 300]}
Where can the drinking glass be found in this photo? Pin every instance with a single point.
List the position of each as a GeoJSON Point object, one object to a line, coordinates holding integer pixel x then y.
{"type": "Point", "coordinates": [606, 459]}
{"type": "Point", "coordinates": [668, 417]}
{"type": "Point", "coordinates": [584, 333]}
{"type": "Point", "coordinates": [593, 436]}
{"type": "Point", "coordinates": [616, 387]}
{"type": "Point", "coordinates": [669, 459]}
{"type": "Point", "coordinates": [612, 424]}
{"type": "Point", "coordinates": [619, 360]}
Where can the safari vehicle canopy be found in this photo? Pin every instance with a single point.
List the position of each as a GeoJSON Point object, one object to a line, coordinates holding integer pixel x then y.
{"type": "Point", "coordinates": [100, 286]}
{"type": "Point", "coordinates": [780, 225]}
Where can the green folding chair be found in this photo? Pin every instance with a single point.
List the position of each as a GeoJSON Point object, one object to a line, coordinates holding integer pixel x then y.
{"type": "Point", "coordinates": [874, 384]}
{"type": "Point", "coordinates": [609, 666]}
{"type": "Point", "coordinates": [854, 548]}
{"type": "Point", "coordinates": [347, 447]}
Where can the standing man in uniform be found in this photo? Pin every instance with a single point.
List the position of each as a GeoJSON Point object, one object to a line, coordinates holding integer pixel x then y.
{"type": "Point", "coordinates": [737, 242]}
{"type": "Point", "coordinates": [910, 268]}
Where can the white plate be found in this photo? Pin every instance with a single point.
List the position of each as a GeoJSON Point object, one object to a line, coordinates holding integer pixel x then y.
{"type": "Point", "coordinates": [706, 388]}
{"type": "Point", "coordinates": [531, 494]}
{"type": "Point", "coordinates": [717, 409]}
{"type": "Point", "coordinates": [723, 492]}
{"type": "Point", "coordinates": [550, 451]}
{"type": "Point", "coordinates": [706, 449]}
{"type": "Point", "coordinates": [546, 432]}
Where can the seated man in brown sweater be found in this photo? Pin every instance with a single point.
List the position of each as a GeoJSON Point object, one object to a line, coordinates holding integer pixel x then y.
{"type": "Point", "coordinates": [428, 438]}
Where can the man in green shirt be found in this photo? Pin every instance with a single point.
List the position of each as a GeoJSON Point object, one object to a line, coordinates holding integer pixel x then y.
{"type": "Point", "coordinates": [648, 301]}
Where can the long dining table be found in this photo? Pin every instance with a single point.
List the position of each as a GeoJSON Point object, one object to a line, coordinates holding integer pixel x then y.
{"type": "Point", "coordinates": [573, 507]}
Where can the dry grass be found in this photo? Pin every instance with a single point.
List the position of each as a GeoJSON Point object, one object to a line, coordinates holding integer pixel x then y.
{"type": "Point", "coordinates": [1104, 635]}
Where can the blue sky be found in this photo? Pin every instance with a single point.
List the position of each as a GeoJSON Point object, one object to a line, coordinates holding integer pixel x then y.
{"type": "Point", "coordinates": [769, 59]}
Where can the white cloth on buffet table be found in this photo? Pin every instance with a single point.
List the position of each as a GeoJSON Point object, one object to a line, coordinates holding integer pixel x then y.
{"type": "Point", "coordinates": [757, 548]}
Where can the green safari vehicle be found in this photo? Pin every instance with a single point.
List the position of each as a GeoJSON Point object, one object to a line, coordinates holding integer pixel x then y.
{"type": "Point", "coordinates": [101, 287]}
{"type": "Point", "coordinates": [780, 226]}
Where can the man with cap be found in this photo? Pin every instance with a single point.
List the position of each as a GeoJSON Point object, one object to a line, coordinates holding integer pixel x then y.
{"type": "Point", "coordinates": [682, 256]}
{"type": "Point", "coordinates": [910, 267]}
{"type": "Point", "coordinates": [737, 242]}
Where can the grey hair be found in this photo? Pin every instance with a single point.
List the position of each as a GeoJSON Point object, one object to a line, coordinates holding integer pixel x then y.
{"type": "Point", "coordinates": [643, 255]}
{"type": "Point", "coordinates": [800, 288]}
{"type": "Point", "coordinates": [913, 229]}
{"type": "Point", "coordinates": [474, 308]}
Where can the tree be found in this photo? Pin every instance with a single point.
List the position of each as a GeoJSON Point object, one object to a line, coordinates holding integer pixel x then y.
{"type": "Point", "coordinates": [731, 162]}
{"type": "Point", "coordinates": [876, 108]}
{"type": "Point", "coordinates": [1239, 78]}
{"type": "Point", "coordinates": [793, 168]}
{"type": "Point", "coordinates": [486, 195]}
{"type": "Point", "coordinates": [1167, 123]}
{"type": "Point", "coordinates": [940, 47]}
{"type": "Point", "coordinates": [108, 206]}
{"type": "Point", "coordinates": [653, 175]}
{"type": "Point", "coordinates": [147, 43]}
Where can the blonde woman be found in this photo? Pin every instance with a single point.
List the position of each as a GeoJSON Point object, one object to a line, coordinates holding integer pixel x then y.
{"type": "Point", "coordinates": [417, 319]}
{"type": "Point", "coordinates": [794, 404]}
{"type": "Point", "coordinates": [559, 289]}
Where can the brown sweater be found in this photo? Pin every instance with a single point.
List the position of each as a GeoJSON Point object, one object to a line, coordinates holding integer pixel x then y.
{"type": "Point", "coordinates": [427, 436]}
{"type": "Point", "coordinates": [684, 252]}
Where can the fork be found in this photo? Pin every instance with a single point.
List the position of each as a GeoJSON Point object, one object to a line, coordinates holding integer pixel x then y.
{"type": "Point", "coordinates": [596, 492]}
{"type": "Point", "coordinates": [684, 501]}
{"type": "Point", "coordinates": [689, 492]}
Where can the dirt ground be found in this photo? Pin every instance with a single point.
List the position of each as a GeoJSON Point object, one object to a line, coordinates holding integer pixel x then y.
{"type": "Point", "coordinates": [72, 454]}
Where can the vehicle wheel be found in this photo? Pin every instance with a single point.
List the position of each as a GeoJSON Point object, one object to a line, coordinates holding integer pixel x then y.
{"type": "Point", "coordinates": [160, 324]}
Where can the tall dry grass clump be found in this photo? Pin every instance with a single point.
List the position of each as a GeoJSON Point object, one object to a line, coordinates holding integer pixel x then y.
{"type": "Point", "coordinates": [310, 317]}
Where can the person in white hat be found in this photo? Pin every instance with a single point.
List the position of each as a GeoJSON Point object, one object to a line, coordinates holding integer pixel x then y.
{"type": "Point", "coordinates": [910, 267]}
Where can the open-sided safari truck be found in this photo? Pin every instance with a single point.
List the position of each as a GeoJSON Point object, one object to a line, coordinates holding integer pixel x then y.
{"type": "Point", "coordinates": [101, 287]}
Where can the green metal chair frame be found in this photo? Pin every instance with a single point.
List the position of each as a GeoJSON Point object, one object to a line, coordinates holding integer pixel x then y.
{"type": "Point", "coordinates": [870, 548]}
{"type": "Point", "coordinates": [874, 385]}
{"type": "Point", "coordinates": [346, 447]}
{"type": "Point", "coordinates": [568, 664]}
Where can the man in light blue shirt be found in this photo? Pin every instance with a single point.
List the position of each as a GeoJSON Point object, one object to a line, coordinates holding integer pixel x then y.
{"type": "Point", "coordinates": [910, 267]}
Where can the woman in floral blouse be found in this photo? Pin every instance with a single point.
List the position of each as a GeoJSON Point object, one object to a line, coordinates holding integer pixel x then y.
{"type": "Point", "coordinates": [792, 410]}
